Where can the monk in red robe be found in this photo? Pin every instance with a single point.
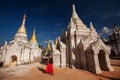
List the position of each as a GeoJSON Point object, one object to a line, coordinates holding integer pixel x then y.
{"type": "Point", "coordinates": [49, 68]}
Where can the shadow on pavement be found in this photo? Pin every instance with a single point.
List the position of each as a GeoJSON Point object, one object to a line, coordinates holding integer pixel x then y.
{"type": "Point", "coordinates": [41, 69]}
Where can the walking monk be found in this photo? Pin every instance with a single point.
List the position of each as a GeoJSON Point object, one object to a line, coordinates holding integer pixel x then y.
{"type": "Point", "coordinates": [49, 68]}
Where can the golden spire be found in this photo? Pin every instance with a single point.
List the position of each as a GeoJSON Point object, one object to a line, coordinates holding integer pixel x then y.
{"type": "Point", "coordinates": [48, 46]}
{"type": "Point", "coordinates": [22, 27]}
{"type": "Point", "coordinates": [33, 38]}
{"type": "Point", "coordinates": [56, 42]}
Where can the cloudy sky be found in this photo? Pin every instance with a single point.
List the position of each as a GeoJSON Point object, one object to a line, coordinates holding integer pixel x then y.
{"type": "Point", "coordinates": [51, 17]}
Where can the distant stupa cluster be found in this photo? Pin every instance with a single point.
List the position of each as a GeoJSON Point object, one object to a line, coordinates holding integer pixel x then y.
{"type": "Point", "coordinates": [114, 42]}
{"type": "Point", "coordinates": [78, 47]}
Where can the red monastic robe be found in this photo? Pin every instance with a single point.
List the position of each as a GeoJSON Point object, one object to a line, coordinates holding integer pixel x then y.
{"type": "Point", "coordinates": [49, 68]}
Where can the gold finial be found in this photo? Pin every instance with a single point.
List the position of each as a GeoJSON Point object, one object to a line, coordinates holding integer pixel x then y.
{"type": "Point", "coordinates": [48, 46]}
{"type": "Point", "coordinates": [56, 42]}
{"type": "Point", "coordinates": [22, 27]}
{"type": "Point", "coordinates": [24, 18]}
{"type": "Point", "coordinates": [33, 38]}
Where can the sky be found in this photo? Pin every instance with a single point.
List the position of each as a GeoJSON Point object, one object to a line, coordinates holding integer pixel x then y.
{"type": "Point", "coordinates": [51, 17]}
